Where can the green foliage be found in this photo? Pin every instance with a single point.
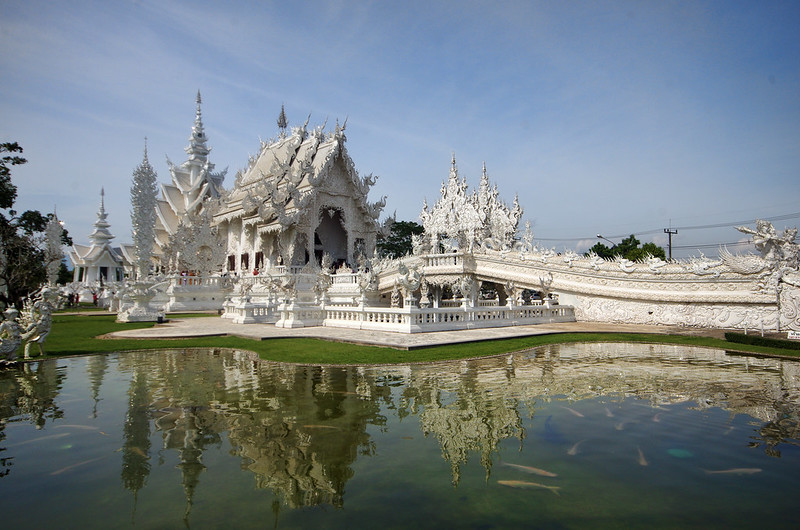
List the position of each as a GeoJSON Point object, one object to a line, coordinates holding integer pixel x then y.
{"type": "Point", "coordinates": [8, 192]}
{"type": "Point", "coordinates": [757, 340]}
{"type": "Point", "coordinates": [629, 248]}
{"type": "Point", "coordinates": [64, 274]}
{"type": "Point", "coordinates": [398, 244]}
{"type": "Point", "coordinates": [22, 257]}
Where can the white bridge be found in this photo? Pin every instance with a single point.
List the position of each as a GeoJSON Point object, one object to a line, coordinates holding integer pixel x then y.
{"type": "Point", "coordinates": [448, 292]}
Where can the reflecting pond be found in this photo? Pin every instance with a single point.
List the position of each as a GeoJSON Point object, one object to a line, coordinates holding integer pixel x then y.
{"type": "Point", "coordinates": [567, 436]}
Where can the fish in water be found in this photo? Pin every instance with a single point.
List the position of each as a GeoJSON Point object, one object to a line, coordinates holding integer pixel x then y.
{"type": "Point", "coordinates": [529, 469]}
{"type": "Point", "coordinates": [63, 469]}
{"type": "Point", "coordinates": [734, 471]}
{"type": "Point", "coordinates": [138, 451]}
{"type": "Point", "coordinates": [40, 438]}
{"type": "Point", "coordinates": [609, 413]}
{"type": "Point", "coordinates": [322, 427]}
{"type": "Point", "coordinates": [573, 411]}
{"type": "Point", "coordinates": [523, 484]}
{"type": "Point", "coordinates": [657, 417]}
{"type": "Point", "coordinates": [642, 459]}
{"type": "Point", "coordinates": [574, 449]}
{"type": "Point", "coordinates": [84, 427]}
{"type": "Point", "coordinates": [551, 434]}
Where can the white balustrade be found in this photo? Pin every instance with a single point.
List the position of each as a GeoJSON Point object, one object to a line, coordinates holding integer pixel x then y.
{"type": "Point", "coordinates": [444, 260]}
{"type": "Point", "coordinates": [413, 319]}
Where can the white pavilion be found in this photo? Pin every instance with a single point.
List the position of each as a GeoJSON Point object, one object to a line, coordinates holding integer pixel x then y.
{"type": "Point", "coordinates": [98, 262]}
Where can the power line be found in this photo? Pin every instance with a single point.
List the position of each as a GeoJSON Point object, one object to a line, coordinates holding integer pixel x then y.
{"type": "Point", "coordinates": [714, 245]}
{"type": "Point", "coordinates": [693, 227]}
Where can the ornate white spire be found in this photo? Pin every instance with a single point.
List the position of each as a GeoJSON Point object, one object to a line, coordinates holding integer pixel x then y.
{"type": "Point", "coordinates": [193, 182]}
{"type": "Point", "coordinates": [143, 213]}
{"type": "Point", "coordinates": [282, 122]}
{"type": "Point", "coordinates": [197, 149]}
{"type": "Point", "coordinates": [101, 236]}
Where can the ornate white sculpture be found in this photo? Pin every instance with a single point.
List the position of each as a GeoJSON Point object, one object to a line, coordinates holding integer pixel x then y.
{"type": "Point", "coordinates": [141, 293]}
{"type": "Point", "coordinates": [409, 281]}
{"type": "Point", "coordinates": [53, 253]}
{"type": "Point", "coordinates": [143, 214]}
{"type": "Point", "coordinates": [10, 336]}
{"type": "Point", "coordinates": [464, 219]}
{"type": "Point", "coordinates": [196, 245]}
{"type": "Point", "coordinates": [36, 320]}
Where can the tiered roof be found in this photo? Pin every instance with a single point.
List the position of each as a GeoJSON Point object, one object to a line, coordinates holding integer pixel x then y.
{"type": "Point", "coordinates": [192, 183]}
{"type": "Point", "coordinates": [83, 255]}
{"type": "Point", "coordinates": [283, 179]}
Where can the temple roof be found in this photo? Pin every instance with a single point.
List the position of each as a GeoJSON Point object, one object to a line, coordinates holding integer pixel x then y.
{"type": "Point", "coordinates": [286, 174]}
{"type": "Point", "coordinates": [193, 181]}
{"type": "Point", "coordinates": [87, 255]}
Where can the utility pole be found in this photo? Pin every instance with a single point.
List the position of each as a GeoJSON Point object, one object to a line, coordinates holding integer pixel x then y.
{"type": "Point", "coordinates": [669, 232]}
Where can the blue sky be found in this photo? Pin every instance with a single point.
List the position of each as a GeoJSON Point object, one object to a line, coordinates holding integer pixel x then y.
{"type": "Point", "coordinates": [605, 117]}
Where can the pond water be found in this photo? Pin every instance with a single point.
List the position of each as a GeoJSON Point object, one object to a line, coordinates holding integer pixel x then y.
{"type": "Point", "coordinates": [568, 436]}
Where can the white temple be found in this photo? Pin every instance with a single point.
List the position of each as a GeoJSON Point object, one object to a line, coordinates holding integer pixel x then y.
{"type": "Point", "coordinates": [293, 244]}
{"type": "Point", "coordinates": [98, 262]}
{"type": "Point", "coordinates": [299, 199]}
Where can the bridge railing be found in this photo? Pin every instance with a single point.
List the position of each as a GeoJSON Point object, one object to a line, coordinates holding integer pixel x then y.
{"type": "Point", "coordinates": [443, 260]}
{"type": "Point", "coordinates": [416, 320]}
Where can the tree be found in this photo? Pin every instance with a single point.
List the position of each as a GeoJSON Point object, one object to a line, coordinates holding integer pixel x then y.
{"type": "Point", "coordinates": [629, 248]}
{"type": "Point", "coordinates": [22, 240]}
{"type": "Point", "coordinates": [8, 192]}
{"type": "Point", "coordinates": [64, 274]}
{"type": "Point", "coordinates": [398, 243]}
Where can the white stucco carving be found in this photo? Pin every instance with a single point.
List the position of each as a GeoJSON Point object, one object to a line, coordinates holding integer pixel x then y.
{"type": "Point", "coordinates": [143, 215]}
{"type": "Point", "coordinates": [462, 220]}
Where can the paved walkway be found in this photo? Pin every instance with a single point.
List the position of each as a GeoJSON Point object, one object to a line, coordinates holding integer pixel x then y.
{"type": "Point", "coordinates": [216, 326]}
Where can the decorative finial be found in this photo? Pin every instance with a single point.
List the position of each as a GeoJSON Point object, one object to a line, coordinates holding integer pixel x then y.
{"type": "Point", "coordinates": [198, 137]}
{"type": "Point", "coordinates": [198, 114]}
{"type": "Point", "coordinates": [282, 122]}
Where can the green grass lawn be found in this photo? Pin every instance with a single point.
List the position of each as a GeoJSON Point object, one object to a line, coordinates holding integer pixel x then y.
{"type": "Point", "coordinates": [78, 334]}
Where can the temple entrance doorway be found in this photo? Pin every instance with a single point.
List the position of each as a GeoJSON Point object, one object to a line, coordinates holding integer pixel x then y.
{"type": "Point", "coordinates": [330, 236]}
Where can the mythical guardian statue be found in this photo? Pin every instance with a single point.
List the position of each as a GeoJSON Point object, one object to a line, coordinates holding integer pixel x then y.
{"type": "Point", "coordinates": [36, 320]}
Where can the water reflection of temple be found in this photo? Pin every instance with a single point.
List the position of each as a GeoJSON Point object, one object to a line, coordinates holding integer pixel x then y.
{"type": "Point", "coordinates": [300, 429]}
